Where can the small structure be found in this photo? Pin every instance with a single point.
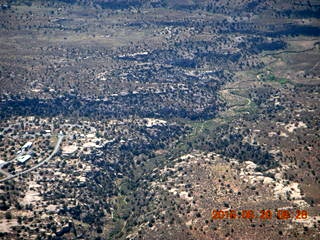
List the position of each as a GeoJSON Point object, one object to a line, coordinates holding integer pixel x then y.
{"type": "Point", "coordinates": [23, 158]}
{"type": "Point", "coordinates": [26, 145]}
{"type": "Point", "coordinates": [2, 163]}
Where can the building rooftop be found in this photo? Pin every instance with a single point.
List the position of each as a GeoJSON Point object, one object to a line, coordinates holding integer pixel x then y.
{"type": "Point", "coordinates": [27, 145]}
{"type": "Point", "coordinates": [24, 158]}
{"type": "Point", "coordinates": [2, 163]}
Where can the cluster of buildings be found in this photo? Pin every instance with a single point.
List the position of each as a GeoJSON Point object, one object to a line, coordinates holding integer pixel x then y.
{"type": "Point", "coordinates": [22, 157]}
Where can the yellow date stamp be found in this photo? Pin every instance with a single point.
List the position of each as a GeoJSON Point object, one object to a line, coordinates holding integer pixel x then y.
{"type": "Point", "coordinates": [265, 214]}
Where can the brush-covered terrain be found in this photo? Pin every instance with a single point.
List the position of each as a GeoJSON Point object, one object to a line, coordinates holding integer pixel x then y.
{"type": "Point", "coordinates": [168, 110]}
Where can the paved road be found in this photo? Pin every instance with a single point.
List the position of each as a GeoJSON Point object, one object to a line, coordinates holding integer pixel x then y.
{"type": "Point", "coordinates": [5, 173]}
{"type": "Point", "coordinates": [55, 150]}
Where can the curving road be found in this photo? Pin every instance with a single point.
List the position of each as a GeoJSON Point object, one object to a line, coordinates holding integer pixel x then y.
{"type": "Point", "coordinates": [55, 150]}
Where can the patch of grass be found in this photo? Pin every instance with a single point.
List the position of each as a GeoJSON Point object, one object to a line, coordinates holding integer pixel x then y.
{"type": "Point", "coordinates": [272, 78]}
{"type": "Point", "coordinates": [283, 81]}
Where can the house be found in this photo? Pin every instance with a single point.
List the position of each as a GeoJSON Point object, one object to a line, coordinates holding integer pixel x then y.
{"type": "Point", "coordinates": [23, 158]}
{"type": "Point", "coordinates": [26, 145]}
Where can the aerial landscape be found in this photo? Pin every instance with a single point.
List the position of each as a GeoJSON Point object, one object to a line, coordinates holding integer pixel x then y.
{"type": "Point", "coordinates": [160, 119]}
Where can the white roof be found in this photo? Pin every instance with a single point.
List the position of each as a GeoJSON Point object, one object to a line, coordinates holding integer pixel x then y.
{"type": "Point", "coordinates": [24, 158]}
{"type": "Point", "coordinates": [2, 162]}
{"type": "Point", "coordinates": [27, 144]}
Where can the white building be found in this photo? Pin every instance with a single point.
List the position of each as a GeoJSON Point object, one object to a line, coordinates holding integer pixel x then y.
{"type": "Point", "coordinates": [2, 163]}
{"type": "Point", "coordinates": [26, 145]}
{"type": "Point", "coordinates": [23, 158]}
